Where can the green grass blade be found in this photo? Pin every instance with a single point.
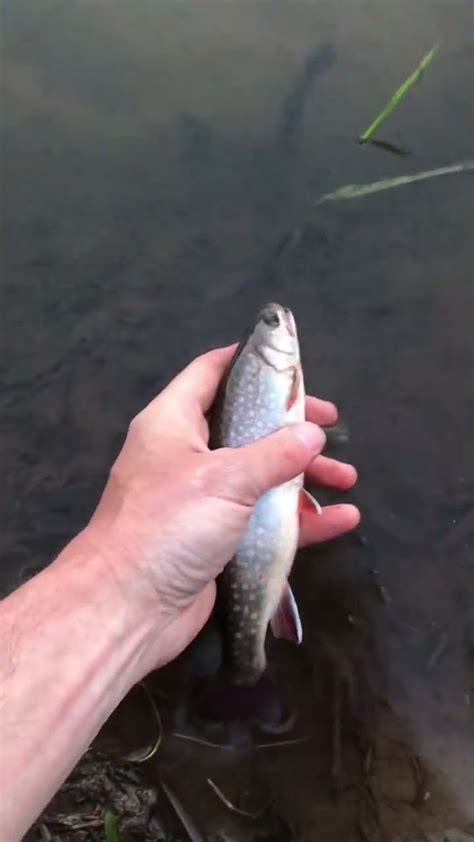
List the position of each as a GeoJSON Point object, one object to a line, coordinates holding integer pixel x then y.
{"type": "Point", "coordinates": [399, 93]}
{"type": "Point", "coordinates": [111, 827]}
{"type": "Point", "coordinates": [355, 191]}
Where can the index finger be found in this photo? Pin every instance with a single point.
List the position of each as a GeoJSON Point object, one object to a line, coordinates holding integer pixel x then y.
{"type": "Point", "coordinates": [181, 406]}
{"type": "Point", "coordinates": [319, 411]}
{"type": "Point", "coordinates": [200, 379]}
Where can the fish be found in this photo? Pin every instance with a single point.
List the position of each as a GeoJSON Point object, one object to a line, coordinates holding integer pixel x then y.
{"type": "Point", "coordinates": [262, 391]}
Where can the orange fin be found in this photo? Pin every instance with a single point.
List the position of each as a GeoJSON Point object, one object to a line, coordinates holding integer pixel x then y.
{"type": "Point", "coordinates": [308, 502]}
{"type": "Point", "coordinates": [286, 622]}
{"type": "Point", "coordinates": [295, 389]}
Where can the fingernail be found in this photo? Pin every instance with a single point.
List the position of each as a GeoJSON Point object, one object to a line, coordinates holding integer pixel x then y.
{"type": "Point", "coordinates": [312, 436]}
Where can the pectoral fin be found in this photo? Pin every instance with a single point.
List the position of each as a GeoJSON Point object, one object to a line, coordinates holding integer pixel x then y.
{"type": "Point", "coordinates": [307, 501]}
{"type": "Point", "coordinates": [286, 622]}
{"type": "Point", "coordinates": [296, 390]}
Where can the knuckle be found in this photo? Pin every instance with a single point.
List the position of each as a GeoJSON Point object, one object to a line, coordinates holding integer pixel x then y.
{"type": "Point", "coordinates": [205, 475]}
{"type": "Point", "coordinates": [236, 481]}
{"type": "Point", "coordinates": [135, 427]}
{"type": "Point", "coordinates": [286, 452]}
{"type": "Point", "coordinates": [289, 450]}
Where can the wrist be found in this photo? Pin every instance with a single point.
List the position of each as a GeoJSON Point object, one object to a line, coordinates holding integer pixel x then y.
{"type": "Point", "coordinates": [107, 581]}
{"type": "Point", "coordinates": [74, 646]}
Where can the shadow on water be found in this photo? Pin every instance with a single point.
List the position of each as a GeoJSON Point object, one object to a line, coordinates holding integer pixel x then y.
{"type": "Point", "coordinates": [151, 165]}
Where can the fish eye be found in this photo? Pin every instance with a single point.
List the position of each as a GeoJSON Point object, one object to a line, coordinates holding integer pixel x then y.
{"type": "Point", "coordinates": [271, 319]}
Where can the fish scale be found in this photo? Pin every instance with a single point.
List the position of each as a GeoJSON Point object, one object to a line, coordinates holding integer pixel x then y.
{"type": "Point", "coordinates": [256, 398]}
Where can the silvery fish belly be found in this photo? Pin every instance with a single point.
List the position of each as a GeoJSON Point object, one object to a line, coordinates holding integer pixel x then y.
{"type": "Point", "coordinates": [262, 392]}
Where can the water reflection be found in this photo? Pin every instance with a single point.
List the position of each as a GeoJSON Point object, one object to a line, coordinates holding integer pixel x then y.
{"type": "Point", "coordinates": [154, 155]}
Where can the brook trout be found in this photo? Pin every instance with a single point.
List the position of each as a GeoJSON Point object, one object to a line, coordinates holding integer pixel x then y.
{"type": "Point", "coordinates": [262, 391]}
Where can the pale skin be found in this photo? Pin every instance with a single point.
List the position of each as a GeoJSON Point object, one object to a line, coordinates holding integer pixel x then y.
{"type": "Point", "coordinates": [131, 591]}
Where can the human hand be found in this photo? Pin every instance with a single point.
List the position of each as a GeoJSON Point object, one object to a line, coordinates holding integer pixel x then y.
{"type": "Point", "coordinates": [173, 512]}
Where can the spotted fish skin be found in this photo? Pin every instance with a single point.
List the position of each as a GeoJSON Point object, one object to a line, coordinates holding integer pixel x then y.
{"type": "Point", "coordinates": [262, 392]}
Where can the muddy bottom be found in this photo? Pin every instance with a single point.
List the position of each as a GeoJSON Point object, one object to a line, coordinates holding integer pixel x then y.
{"type": "Point", "coordinates": [348, 783]}
{"type": "Point", "coordinates": [99, 795]}
{"type": "Point", "coordinates": [353, 767]}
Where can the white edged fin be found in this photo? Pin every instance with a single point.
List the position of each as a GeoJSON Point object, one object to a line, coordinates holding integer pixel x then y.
{"type": "Point", "coordinates": [286, 622]}
{"type": "Point", "coordinates": [313, 502]}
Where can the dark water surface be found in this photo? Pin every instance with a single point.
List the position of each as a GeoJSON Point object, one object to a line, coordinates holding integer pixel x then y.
{"type": "Point", "coordinates": [153, 156]}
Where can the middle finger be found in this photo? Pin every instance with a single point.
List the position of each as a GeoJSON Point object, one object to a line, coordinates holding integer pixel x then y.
{"type": "Point", "coordinates": [319, 411]}
{"type": "Point", "coordinates": [326, 471]}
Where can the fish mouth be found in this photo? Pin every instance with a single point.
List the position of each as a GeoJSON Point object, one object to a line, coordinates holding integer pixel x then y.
{"type": "Point", "coordinates": [276, 338]}
{"type": "Point", "coordinates": [275, 315]}
{"type": "Point", "coordinates": [289, 321]}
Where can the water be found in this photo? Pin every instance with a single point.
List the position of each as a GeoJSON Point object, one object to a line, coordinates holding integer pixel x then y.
{"type": "Point", "coordinates": [153, 156]}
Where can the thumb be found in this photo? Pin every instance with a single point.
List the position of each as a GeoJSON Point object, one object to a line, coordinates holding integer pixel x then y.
{"type": "Point", "coordinates": [273, 460]}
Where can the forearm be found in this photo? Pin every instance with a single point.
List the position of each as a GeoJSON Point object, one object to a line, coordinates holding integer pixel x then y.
{"type": "Point", "coordinates": [71, 649]}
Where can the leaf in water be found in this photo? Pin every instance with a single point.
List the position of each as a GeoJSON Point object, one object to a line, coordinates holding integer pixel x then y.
{"type": "Point", "coordinates": [355, 191]}
{"type": "Point", "coordinates": [398, 95]}
{"type": "Point", "coordinates": [111, 827]}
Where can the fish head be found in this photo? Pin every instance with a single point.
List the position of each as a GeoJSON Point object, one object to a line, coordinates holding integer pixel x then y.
{"type": "Point", "coordinates": [275, 337]}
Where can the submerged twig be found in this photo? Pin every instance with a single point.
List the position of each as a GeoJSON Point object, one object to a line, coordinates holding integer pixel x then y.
{"type": "Point", "coordinates": [398, 95]}
{"type": "Point", "coordinates": [208, 744]}
{"type": "Point", "coordinates": [185, 819]}
{"type": "Point", "coordinates": [200, 741]}
{"type": "Point", "coordinates": [228, 803]}
{"type": "Point", "coordinates": [143, 756]}
{"type": "Point", "coordinates": [282, 743]}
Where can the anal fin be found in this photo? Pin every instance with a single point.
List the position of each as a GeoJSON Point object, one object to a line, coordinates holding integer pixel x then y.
{"type": "Point", "coordinates": [286, 622]}
{"type": "Point", "coordinates": [307, 501]}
